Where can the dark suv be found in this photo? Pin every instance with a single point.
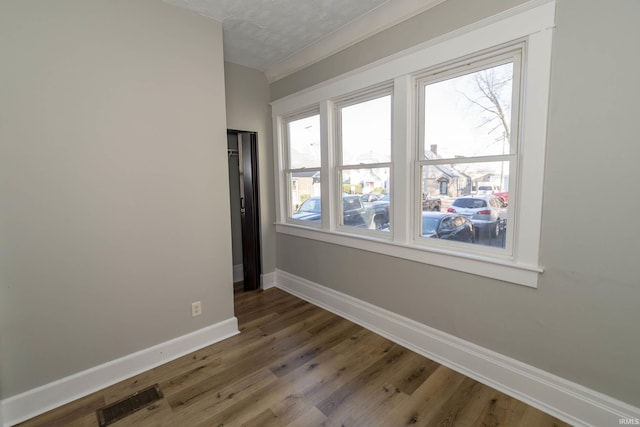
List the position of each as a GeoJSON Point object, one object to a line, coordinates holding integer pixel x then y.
{"type": "Point", "coordinates": [353, 211]}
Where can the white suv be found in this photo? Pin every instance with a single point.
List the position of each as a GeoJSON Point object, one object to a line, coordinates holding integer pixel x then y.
{"type": "Point", "coordinates": [483, 211]}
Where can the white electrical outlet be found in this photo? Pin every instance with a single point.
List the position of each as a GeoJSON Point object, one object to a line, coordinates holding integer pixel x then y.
{"type": "Point", "coordinates": [196, 309]}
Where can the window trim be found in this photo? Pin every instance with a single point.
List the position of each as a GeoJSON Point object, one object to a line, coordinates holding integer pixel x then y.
{"type": "Point", "coordinates": [531, 22]}
{"type": "Point", "coordinates": [380, 91]}
{"type": "Point", "coordinates": [513, 52]}
{"type": "Point", "coordinates": [289, 171]}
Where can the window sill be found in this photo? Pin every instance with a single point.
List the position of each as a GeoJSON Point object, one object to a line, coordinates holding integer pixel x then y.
{"type": "Point", "coordinates": [505, 270]}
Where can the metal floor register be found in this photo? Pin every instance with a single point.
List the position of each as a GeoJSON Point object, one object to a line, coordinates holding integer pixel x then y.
{"type": "Point", "coordinates": [127, 406]}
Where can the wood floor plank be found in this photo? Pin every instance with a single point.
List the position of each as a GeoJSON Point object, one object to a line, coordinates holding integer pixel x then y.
{"type": "Point", "coordinates": [261, 306]}
{"type": "Point", "coordinates": [76, 413]}
{"type": "Point", "coordinates": [191, 376]}
{"type": "Point", "coordinates": [325, 374]}
{"type": "Point", "coordinates": [449, 413]}
{"type": "Point", "coordinates": [265, 419]}
{"type": "Point", "coordinates": [503, 410]}
{"type": "Point", "coordinates": [321, 342]}
{"type": "Point", "coordinates": [311, 418]}
{"type": "Point", "coordinates": [210, 404]}
{"type": "Point", "coordinates": [473, 414]}
{"type": "Point", "coordinates": [533, 417]}
{"type": "Point", "coordinates": [421, 369]}
{"type": "Point", "coordinates": [331, 373]}
{"type": "Point", "coordinates": [306, 314]}
{"type": "Point", "coordinates": [268, 397]}
{"type": "Point", "coordinates": [376, 396]}
{"type": "Point", "coordinates": [270, 349]}
{"type": "Point", "coordinates": [341, 400]}
{"type": "Point", "coordinates": [370, 405]}
{"type": "Point", "coordinates": [426, 400]}
{"type": "Point", "coordinates": [297, 365]}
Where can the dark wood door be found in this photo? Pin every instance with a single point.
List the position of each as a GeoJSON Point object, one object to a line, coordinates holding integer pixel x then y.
{"type": "Point", "coordinates": [249, 207]}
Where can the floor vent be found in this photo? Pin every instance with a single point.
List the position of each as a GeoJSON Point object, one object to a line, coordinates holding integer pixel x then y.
{"type": "Point", "coordinates": [127, 406]}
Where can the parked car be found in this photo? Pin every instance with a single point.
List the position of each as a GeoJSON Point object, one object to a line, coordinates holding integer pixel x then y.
{"type": "Point", "coordinates": [486, 188]}
{"type": "Point", "coordinates": [447, 226]}
{"type": "Point", "coordinates": [431, 203]}
{"type": "Point", "coordinates": [371, 197]}
{"type": "Point", "coordinates": [309, 210]}
{"type": "Point", "coordinates": [486, 212]}
{"type": "Point", "coordinates": [355, 213]}
{"type": "Point", "coordinates": [380, 212]}
{"type": "Point", "coordinates": [504, 195]}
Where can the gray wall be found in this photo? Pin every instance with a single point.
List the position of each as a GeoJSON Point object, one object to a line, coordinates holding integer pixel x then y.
{"type": "Point", "coordinates": [582, 321]}
{"type": "Point", "coordinates": [113, 181]}
{"type": "Point", "coordinates": [248, 109]}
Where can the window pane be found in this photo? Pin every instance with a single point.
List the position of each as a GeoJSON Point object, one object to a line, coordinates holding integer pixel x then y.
{"type": "Point", "coordinates": [366, 198]}
{"type": "Point", "coordinates": [304, 142]}
{"type": "Point", "coordinates": [472, 197]}
{"type": "Point", "coordinates": [366, 132]}
{"type": "Point", "coordinates": [305, 195]}
{"type": "Point", "coordinates": [469, 115]}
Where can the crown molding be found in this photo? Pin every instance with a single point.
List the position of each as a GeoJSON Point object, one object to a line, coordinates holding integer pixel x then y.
{"type": "Point", "coordinates": [377, 20]}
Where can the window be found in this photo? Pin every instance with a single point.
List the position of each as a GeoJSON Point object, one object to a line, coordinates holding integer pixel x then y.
{"type": "Point", "coordinates": [304, 165]}
{"type": "Point", "coordinates": [468, 141]}
{"type": "Point", "coordinates": [364, 167]}
{"type": "Point", "coordinates": [429, 155]}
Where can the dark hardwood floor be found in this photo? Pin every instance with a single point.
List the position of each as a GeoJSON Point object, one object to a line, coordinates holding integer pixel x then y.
{"type": "Point", "coordinates": [295, 364]}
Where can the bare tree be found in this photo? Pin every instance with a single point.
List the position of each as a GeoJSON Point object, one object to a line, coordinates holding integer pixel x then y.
{"type": "Point", "coordinates": [493, 97]}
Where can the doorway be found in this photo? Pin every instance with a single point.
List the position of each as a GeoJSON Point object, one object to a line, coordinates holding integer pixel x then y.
{"type": "Point", "coordinates": [242, 150]}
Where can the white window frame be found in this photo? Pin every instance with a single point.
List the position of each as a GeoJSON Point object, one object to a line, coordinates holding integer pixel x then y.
{"type": "Point", "coordinates": [511, 53]}
{"type": "Point", "coordinates": [289, 170]}
{"type": "Point", "coordinates": [530, 23]}
{"type": "Point", "coordinates": [338, 104]}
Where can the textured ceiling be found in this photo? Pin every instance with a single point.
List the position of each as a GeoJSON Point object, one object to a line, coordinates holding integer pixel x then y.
{"type": "Point", "coordinates": [261, 33]}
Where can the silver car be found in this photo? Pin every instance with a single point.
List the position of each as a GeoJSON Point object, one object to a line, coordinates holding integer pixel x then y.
{"type": "Point", "coordinates": [484, 211]}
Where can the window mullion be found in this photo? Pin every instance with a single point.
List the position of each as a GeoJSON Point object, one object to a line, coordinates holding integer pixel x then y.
{"type": "Point", "coordinates": [279, 152]}
{"type": "Point", "coordinates": [402, 147]}
{"type": "Point", "coordinates": [327, 155]}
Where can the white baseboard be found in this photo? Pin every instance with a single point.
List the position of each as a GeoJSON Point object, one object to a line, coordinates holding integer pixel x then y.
{"type": "Point", "coordinates": [554, 395]}
{"type": "Point", "coordinates": [26, 405]}
{"type": "Point", "coordinates": [238, 273]}
{"type": "Point", "coordinates": [269, 280]}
